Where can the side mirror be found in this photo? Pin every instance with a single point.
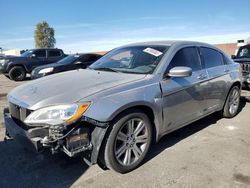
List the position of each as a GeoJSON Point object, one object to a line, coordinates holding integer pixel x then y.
{"type": "Point", "coordinates": [81, 64]}
{"type": "Point", "coordinates": [78, 63]}
{"type": "Point", "coordinates": [233, 56]}
{"type": "Point", "coordinates": [33, 55]}
{"type": "Point", "coordinates": [180, 72]}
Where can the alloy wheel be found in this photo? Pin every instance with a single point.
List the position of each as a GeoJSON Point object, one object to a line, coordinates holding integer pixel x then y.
{"type": "Point", "coordinates": [131, 141]}
{"type": "Point", "coordinates": [234, 101]}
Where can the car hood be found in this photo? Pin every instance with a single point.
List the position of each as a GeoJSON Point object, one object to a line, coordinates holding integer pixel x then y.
{"type": "Point", "coordinates": [16, 58]}
{"type": "Point", "coordinates": [67, 87]}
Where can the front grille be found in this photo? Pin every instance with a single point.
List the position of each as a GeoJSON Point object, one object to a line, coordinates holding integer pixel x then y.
{"type": "Point", "coordinates": [245, 67]}
{"type": "Point", "coordinates": [18, 112]}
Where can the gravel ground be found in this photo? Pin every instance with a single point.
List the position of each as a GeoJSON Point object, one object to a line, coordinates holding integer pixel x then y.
{"type": "Point", "coordinates": [212, 152]}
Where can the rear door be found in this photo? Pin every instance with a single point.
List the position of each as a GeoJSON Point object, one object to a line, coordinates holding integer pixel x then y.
{"type": "Point", "coordinates": [183, 98]}
{"type": "Point", "coordinates": [218, 72]}
{"type": "Point", "coordinates": [54, 56]}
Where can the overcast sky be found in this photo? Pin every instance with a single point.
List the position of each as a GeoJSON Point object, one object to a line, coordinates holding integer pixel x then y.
{"type": "Point", "coordinates": [93, 25]}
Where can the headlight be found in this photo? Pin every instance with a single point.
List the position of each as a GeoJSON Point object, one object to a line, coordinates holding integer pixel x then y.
{"type": "Point", "coordinates": [54, 115]}
{"type": "Point", "coordinates": [43, 71]}
{"type": "Point", "coordinates": [3, 61]}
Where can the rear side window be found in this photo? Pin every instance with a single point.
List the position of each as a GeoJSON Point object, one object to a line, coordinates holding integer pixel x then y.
{"type": "Point", "coordinates": [54, 53]}
{"type": "Point", "coordinates": [211, 57]}
{"type": "Point", "coordinates": [40, 53]}
{"type": "Point", "coordinates": [187, 57]}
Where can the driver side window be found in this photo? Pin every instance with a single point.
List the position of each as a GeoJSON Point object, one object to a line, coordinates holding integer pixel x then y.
{"type": "Point", "coordinates": [187, 57]}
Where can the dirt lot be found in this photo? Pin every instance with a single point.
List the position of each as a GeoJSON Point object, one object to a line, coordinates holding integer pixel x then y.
{"type": "Point", "coordinates": [212, 152]}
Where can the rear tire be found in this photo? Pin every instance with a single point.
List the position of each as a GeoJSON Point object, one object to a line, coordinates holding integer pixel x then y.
{"type": "Point", "coordinates": [17, 73]}
{"type": "Point", "coordinates": [128, 142]}
{"type": "Point", "coordinates": [232, 103]}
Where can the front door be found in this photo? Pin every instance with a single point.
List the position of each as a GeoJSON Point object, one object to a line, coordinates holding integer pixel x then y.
{"type": "Point", "coordinates": [183, 97]}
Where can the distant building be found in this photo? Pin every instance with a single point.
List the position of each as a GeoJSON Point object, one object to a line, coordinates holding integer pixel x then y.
{"type": "Point", "coordinates": [232, 48]}
{"type": "Point", "coordinates": [16, 52]}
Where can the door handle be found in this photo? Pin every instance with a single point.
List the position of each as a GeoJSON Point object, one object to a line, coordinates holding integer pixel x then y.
{"type": "Point", "coordinates": [202, 77]}
{"type": "Point", "coordinates": [226, 70]}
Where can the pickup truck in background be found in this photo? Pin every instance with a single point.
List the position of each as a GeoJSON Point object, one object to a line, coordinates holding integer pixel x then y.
{"type": "Point", "coordinates": [17, 67]}
{"type": "Point", "coordinates": [243, 58]}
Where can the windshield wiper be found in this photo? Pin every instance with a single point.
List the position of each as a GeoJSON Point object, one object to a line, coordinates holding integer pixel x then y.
{"type": "Point", "coordinates": [106, 69]}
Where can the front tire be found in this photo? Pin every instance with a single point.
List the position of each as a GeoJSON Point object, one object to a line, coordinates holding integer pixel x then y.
{"type": "Point", "coordinates": [232, 103]}
{"type": "Point", "coordinates": [17, 73]}
{"type": "Point", "coordinates": [128, 142]}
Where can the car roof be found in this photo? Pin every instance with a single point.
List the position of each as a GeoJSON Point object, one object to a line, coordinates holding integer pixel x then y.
{"type": "Point", "coordinates": [170, 43]}
{"type": "Point", "coordinates": [247, 45]}
{"type": "Point", "coordinates": [45, 49]}
{"type": "Point", "coordinates": [81, 54]}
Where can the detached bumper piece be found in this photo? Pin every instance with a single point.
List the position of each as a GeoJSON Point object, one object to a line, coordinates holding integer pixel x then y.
{"type": "Point", "coordinates": [27, 138]}
{"type": "Point", "coordinates": [77, 142]}
{"type": "Point", "coordinates": [72, 140]}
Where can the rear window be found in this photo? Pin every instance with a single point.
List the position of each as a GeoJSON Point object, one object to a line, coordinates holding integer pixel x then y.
{"type": "Point", "coordinates": [54, 53]}
{"type": "Point", "coordinates": [211, 57]}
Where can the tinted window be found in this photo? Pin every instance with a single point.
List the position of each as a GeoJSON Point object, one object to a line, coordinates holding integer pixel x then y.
{"type": "Point", "coordinates": [187, 57]}
{"type": "Point", "coordinates": [54, 53]}
{"type": "Point", "coordinates": [40, 53]}
{"type": "Point", "coordinates": [244, 52]}
{"type": "Point", "coordinates": [211, 57]}
{"type": "Point", "coordinates": [68, 59]}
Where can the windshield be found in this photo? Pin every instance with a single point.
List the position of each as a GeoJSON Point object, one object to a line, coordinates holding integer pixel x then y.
{"type": "Point", "coordinates": [28, 53]}
{"type": "Point", "coordinates": [136, 59]}
{"type": "Point", "coordinates": [244, 52]}
{"type": "Point", "coordinates": [69, 59]}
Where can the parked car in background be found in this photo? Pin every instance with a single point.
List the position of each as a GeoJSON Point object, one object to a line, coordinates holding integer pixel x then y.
{"type": "Point", "coordinates": [113, 111]}
{"type": "Point", "coordinates": [16, 67]}
{"type": "Point", "coordinates": [243, 58]}
{"type": "Point", "coordinates": [71, 62]}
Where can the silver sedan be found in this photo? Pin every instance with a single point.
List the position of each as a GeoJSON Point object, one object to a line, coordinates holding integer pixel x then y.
{"type": "Point", "coordinates": [112, 112]}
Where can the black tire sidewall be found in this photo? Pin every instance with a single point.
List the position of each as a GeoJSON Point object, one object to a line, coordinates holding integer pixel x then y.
{"type": "Point", "coordinates": [13, 70]}
{"type": "Point", "coordinates": [109, 155]}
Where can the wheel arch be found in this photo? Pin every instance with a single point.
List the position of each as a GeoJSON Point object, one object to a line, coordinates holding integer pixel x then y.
{"type": "Point", "coordinates": [145, 108]}
{"type": "Point", "coordinates": [16, 65]}
{"type": "Point", "coordinates": [238, 84]}
{"type": "Point", "coordinates": [120, 113]}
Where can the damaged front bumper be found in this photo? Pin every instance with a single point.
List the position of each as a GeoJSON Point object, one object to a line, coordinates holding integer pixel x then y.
{"type": "Point", "coordinates": [81, 138]}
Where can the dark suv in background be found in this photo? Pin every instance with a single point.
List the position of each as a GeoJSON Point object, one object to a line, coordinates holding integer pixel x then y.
{"type": "Point", "coordinates": [16, 67]}
{"type": "Point", "coordinates": [243, 57]}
